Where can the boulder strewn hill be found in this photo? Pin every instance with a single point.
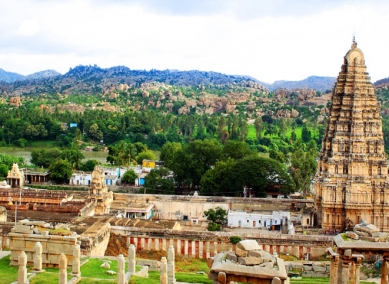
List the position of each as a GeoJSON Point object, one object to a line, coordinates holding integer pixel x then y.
{"type": "Point", "coordinates": [10, 77]}
{"type": "Point", "coordinates": [318, 83]}
{"type": "Point", "coordinates": [95, 80]}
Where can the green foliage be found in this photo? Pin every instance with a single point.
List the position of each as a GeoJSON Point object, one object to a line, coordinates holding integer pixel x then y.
{"type": "Point", "coordinates": [236, 150]}
{"type": "Point", "coordinates": [303, 165]}
{"type": "Point", "coordinates": [45, 157]}
{"type": "Point", "coordinates": [159, 181]}
{"type": "Point", "coordinates": [194, 159]}
{"type": "Point", "coordinates": [261, 175]}
{"type": "Point", "coordinates": [218, 180]}
{"type": "Point", "coordinates": [145, 155]}
{"type": "Point", "coordinates": [129, 176]}
{"type": "Point", "coordinates": [73, 156]}
{"type": "Point", "coordinates": [123, 153]}
{"type": "Point", "coordinates": [4, 170]}
{"type": "Point", "coordinates": [217, 218]}
{"type": "Point", "coordinates": [61, 170]}
{"type": "Point", "coordinates": [235, 239]}
{"type": "Point", "coordinates": [9, 160]}
{"type": "Point", "coordinates": [88, 165]}
{"type": "Point", "coordinates": [169, 152]}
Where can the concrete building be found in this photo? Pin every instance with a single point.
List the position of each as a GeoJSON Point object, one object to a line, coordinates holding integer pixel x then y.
{"type": "Point", "coordinates": [352, 176]}
{"type": "Point", "coordinates": [261, 220]}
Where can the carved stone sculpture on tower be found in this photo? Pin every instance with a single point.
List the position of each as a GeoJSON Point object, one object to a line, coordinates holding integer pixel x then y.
{"type": "Point", "coordinates": [351, 180]}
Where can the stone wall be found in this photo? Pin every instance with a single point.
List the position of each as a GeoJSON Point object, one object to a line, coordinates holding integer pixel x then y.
{"type": "Point", "coordinates": [52, 247]}
{"type": "Point", "coordinates": [206, 244]}
{"type": "Point", "coordinates": [308, 268]}
{"type": "Point", "coordinates": [172, 207]}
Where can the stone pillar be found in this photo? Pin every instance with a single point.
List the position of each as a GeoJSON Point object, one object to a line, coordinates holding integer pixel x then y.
{"type": "Point", "coordinates": [156, 244]}
{"type": "Point", "coordinates": [136, 243]}
{"type": "Point", "coordinates": [131, 259]}
{"type": "Point", "coordinates": [164, 244]}
{"type": "Point", "coordinates": [384, 271]}
{"type": "Point", "coordinates": [121, 273]}
{"type": "Point", "coordinates": [201, 249]}
{"type": "Point", "coordinates": [215, 248]}
{"type": "Point", "coordinates": [207, 252]}
{"type": "Point", "coordinates": [163, 277]}
{"type": "Point", "coordinates": [186, 247]}
{"type": "Point", "coordinates": [76, 261]}
{"type": "Point", "coordinates": [193, 248]}
{"type": "Point", "coordinates": [276, 280]}
{"type": "Point", "coordinates": [22, 272]}
{"type": "Point", "coordinates": [171, 266]}
{"type": "Point", "coordinates": [334, 269]}
{"type": "Point", "coordinates": [179, 246]}
{"type": "Point", "coordinates": [38, 257]}
{"type": "Point", "coordinates": [345, 271]}
{"type": "Point", "coordinates": [63, 274]}
{"type": "Point", "coordinates": [352, 272]}
{"type": "Point", "coordinates": [358, 270]}
{"type": "Point", "coordinates": [142, 243]}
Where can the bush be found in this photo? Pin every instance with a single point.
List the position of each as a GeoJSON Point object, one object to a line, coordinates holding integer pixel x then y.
{"type": "Point", "coordinates": [214, 227]}
{"type": "Point", "coordinates": [235, 239]}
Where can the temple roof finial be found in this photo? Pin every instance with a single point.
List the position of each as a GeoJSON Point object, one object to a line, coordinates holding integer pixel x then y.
{"type": "Point", "coordinates": [354, 44]}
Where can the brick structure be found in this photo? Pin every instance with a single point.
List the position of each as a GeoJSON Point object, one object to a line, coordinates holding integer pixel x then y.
{"type": "Point", "coordinates": [351, 180]}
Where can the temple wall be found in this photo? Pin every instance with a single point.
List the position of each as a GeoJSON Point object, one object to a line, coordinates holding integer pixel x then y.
{"type": "Point", "coordinates": [170, 207]}
{"type": "Point", "coordinates": [206, 244]}
{"type": "Point", "coordinates": [52, 247]}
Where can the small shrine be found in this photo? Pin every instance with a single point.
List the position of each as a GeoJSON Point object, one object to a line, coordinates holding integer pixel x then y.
{"type": "Point", "coordinates": [15, 177]}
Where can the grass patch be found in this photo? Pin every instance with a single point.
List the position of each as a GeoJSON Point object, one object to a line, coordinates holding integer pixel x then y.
{"type": "Point", "coordinates": [91, 269]}
{"type": "Point", "coordinates": [317, 281]}
{"type": "Point", "coordinates": [8, 273]}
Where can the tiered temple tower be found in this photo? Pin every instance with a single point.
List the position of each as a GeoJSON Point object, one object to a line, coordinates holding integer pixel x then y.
{"type": "Point", "coordinates": [351, 180]}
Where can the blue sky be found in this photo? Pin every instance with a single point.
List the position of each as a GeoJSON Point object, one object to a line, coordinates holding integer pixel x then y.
{"type": "Point", "coordinates": [268, 40]}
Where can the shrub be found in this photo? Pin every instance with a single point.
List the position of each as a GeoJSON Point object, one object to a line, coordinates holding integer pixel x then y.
{"type": "Point", "coordinates": [235, 239]}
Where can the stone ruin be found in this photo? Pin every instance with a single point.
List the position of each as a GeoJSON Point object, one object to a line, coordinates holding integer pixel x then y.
{"type": "Point", "coordinates": [366, 232]}
{"type": "Point", "coordinates": [248, 264]}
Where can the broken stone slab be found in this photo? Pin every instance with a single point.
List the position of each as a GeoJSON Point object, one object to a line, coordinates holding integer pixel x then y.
{"type": "Point", "coordinates": [250, 260]}
{"type": "Point", "coordinates": [308, 268]}
{"type": "Point", "coordinates": [266, 265]}
{"type": "Point", "coordinates": [319, 268]}
{"type": "Point", "coordinates": [111, 272]}
{"type": "Point", "coordinates": [241, 252]}
{"type": "Point", "coordinates": [352, 235]}
{"type": "Point", "coordinates": [256, 253]}
{"type": "Point", "coordinates": [267, 257]}
{"type": "Point", "coordinates": [248, 245]}
{"type": "Point", "coordinates": [232, 256]}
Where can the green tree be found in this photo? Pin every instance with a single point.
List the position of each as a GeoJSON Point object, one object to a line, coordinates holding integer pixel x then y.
{"type": "Point", "coordinates": [303, 165]}
{"type": "Point", "coordinates": [145, 155]}
{"type": "Point", "coordinates": [217, 218]}
{"type": "Point", "coordinates": [74, 156]}
{"type": "Point", "coordinates": [61, 170]}
{"type": "Point", "coordinates": [306, 134]}
{"type": "Point", "coordinates": [168, 153]}
{"type": "Point", "coordinates": [95, 133]}
{"type": "Point", "coordinates": [194, 159]}
{"type": "Point", "coordinates": [3, 170]}
{"type": "Point", "coordinates": [236, 150]}
{"type": "Point", "coordinates": [159, 181]}
{"type": "Point", "coordinates": [258, 124]}
{"type": "Point", "coordinates": [44, 158]}
{"type": "Point", "coordinates": [129, 176]}
{"type": "Point", "coordinates": [261, 175]}
{"type": "Point", "coordinates": [122, 153]}
{"type": "Point", "coordinates": [218, 179]}
{"type": "Point", "coordinates": [88, 166]}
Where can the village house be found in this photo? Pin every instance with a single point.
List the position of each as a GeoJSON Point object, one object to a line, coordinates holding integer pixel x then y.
{"type": "Point", "coordinates": [262, 220]}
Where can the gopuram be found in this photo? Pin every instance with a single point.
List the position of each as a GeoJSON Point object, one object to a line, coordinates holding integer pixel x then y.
{"type": "Point", "coordinates": [351, 182]}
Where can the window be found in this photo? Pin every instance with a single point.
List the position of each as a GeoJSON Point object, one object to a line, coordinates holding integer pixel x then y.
{"type": "Point", "coordinates": [248, 221]}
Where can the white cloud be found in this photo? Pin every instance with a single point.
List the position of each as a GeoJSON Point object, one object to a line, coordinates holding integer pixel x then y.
{"type": "Point", "coordinates": [269, 45]}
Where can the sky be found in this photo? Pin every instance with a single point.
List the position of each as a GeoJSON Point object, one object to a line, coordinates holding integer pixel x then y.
{"type": "Point", "coordinates": [266, 39]}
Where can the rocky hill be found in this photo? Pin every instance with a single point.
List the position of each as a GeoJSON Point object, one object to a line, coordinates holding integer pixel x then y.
{"type": "Point", "coordinates": [42, 74]}
{"type": "Point", "coordinates": [9, 77]}
{"type": "Point", "coordinates": [318, 83]}
{"type": "Point", "coordinates": [95, 80]}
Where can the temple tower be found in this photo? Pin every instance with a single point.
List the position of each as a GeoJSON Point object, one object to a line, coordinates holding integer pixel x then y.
{"type": "Point", "coordinates": [351, 180]}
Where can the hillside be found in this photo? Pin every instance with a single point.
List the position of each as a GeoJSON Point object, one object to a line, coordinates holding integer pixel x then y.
{"type": "Point", "coordinates": [95, 80]}
{"type": "Point", "coordinates": [9, 77]}
{"type": "Point", "coordinates": [318, 83]}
